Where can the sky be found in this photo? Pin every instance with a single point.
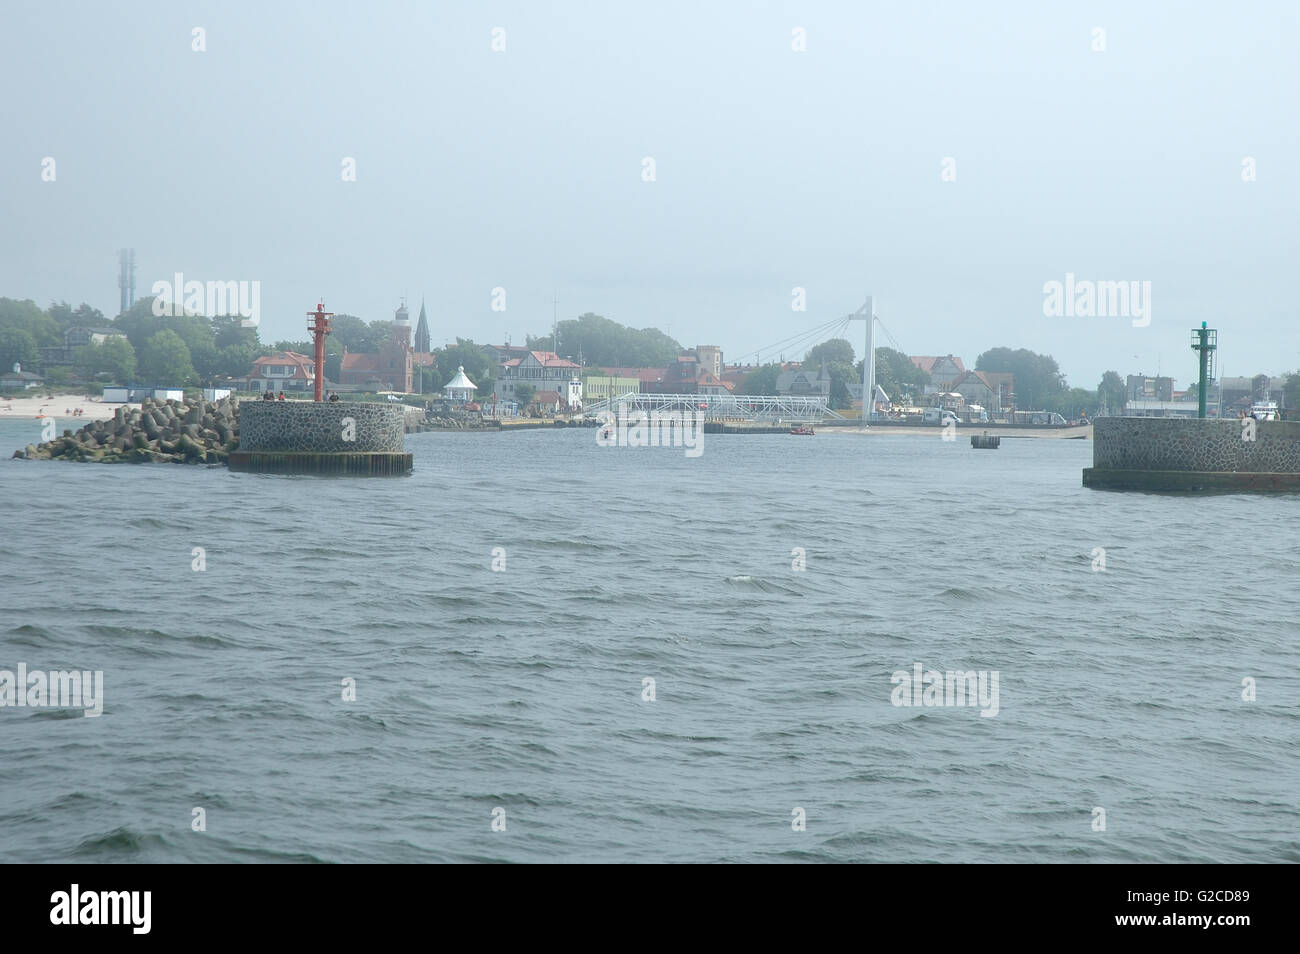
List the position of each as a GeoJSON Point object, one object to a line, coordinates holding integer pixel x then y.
{"type": "Point", "coordinates": [948, 159]}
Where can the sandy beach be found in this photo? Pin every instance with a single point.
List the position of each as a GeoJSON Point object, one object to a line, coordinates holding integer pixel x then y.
{"type": "Point", "coordinates": [58, 407]}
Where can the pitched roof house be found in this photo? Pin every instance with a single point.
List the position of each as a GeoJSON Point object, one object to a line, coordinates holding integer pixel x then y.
{"type": "Point", "coordinates": [283, 371]}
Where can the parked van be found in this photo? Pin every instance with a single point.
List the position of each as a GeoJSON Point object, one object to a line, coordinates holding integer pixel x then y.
{"type": "Point", "coordinates": [938, 415]}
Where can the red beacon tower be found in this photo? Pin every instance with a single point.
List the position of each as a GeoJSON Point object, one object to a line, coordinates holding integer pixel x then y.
{"type": "Point", "coordinates": [319, 327]}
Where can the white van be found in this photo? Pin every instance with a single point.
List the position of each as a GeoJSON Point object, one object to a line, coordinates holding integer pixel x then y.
{"type": "Point", "coordinates": [938, 415]}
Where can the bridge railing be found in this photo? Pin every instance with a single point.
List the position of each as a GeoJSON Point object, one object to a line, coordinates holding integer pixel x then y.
{"type": "Point", "coordinates": [744, 407]}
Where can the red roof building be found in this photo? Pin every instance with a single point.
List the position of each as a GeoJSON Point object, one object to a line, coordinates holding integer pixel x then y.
{"type": "Point", "coordinates": [283, 371]}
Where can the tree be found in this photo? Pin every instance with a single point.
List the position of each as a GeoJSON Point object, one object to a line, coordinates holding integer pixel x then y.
{"type": "Point", "coordinates": [1073, 402]}
{"type": "Point", "coordinates": [165, 360]}
{"type": "Point", "coordinates": [524, 394]}
{"type": "Point", "coordinates": [842, 373]}
{"type": "Point", "coordinates": [605, 342]}
{"type": "Point", "coordinates": [1111, 392]}
{"type": "Point", "coordinates": [761, 380]}
{"type": "Point", "coordinates": [17, 346]}
{"type": "Point", "coordinates": [354, 334]}
{"type": "Point", "coordinates": [27, 316]}
{"type": "Point", "coordinates": [897, 375]}
{"type": "Point", "coordinates": [228, 331]}
{"type": "Point", "coordinates": [1038, 377]}
{"type": "Point", "coordinates": [114, 357]}
{"type": "Point", "coordinates": [83, 316]}
{"type": "Point", "coordinates": [139, 323]}
{"type": "Point", "coordinates": [1291, 394]}
{"type": "Point", "coordinates": [236, 360]}
{"type": "Point", "coordinates": [836, 350]}
{"type": "Point", "coordinates": [479, 368]}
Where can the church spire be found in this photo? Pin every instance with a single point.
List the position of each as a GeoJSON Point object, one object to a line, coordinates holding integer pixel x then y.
{"type": "Point", "coordinates": [422, 331]}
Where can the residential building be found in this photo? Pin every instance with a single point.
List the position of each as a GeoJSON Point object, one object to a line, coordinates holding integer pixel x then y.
{"type": "Point", "coordinates": [18, 378]}
{"type": "Point", "coordinates": [500, 354]}
{"type": "Point", "coordinates": [943, 370]}
{"type": "Point", "coordinates": [992, 390]}
{"type": "Point", "coordinates": [283, 371]}
{"type": "Point", "coordinates": [605, 387]}
{"type": "Point", "coordinates": [1138, 387]}
{"type": "Point", "coordinates": [710, 359]}
{"type": "Point", "coordinates": [1237, 394]}
{"type": "Point", "coordinates": [73, 339]}
{"type": "Point", "coordinates": [543, 371]}
{"type": "Point", "coordinates": [804, 382]}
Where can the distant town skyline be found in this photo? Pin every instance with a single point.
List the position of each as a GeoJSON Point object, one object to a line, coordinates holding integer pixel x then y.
{"type": "Point", "coordinates": [678, 167]}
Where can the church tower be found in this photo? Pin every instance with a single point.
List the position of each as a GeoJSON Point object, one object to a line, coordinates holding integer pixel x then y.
{"type": "Point", "coordinates": [402, 326]}
{"type": "Point", "coordinates": [422, 331]}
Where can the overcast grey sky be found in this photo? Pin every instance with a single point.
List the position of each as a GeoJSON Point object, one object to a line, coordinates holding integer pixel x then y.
{"type": "Point", "coordinates": [775, 168]}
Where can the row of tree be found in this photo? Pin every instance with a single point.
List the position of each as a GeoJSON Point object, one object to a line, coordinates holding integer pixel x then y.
{"type": "Point", "coordinates": [1039, 383]}
{"type": "Point", "coordinates": [192, 349]}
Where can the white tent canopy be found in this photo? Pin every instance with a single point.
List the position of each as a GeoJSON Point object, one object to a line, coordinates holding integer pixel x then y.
{"type": "Point", "coordinates": [460, 388]}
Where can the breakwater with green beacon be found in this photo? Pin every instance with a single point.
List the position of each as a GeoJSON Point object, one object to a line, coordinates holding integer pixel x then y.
{"type": "Point", "coordinates": [1194, 455]}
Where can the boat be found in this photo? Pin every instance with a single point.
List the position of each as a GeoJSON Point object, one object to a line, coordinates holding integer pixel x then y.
{"type": "Point", "coordinates": [802, 429]}
{"type": "Point", "coordinates": [1265, 411]}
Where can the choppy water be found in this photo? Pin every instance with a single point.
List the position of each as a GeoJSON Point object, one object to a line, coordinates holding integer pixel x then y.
{"type": "Point", "coordinates": [522, 689]}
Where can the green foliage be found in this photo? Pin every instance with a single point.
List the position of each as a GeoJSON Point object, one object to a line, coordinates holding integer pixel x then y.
{"type": "Point", "coordinates": [841, 374]}
{"type": "Point", "coordinates": [355, 335]}
{"type": "Point", "coordinates": [17, 345]}
{"type": "Point", "coordinates": [139, 323]}
{"type": "Point", "coordinates": [83, 316]}
{"type": "Point", "coordinates": [228, 331]}
{"type": "Point", "coordinates": [834, 351]}
{"type": "Point", "coordinates": [524, 394]}
{"type": "Point", "coordinates": [115, 357]}
{"type": "Point", "coordinates": [165, 360]}
{"type": "Point", "coordinates": [426, 378]}
{"type": "Point", "coordinates": [1038, 377]}
{"type": "Point", "coordinates": [1110, 392]}
{"type": "Point", "coordinates": [58, 377]}
{"type": "Point", "coordinates": [1291, 394]}
{"type": "Point", "coordinates": [897, 375]}
{"type": "Point", "coordinates": [1071, 403]}
{"type": "Point", "coordinates": [761, 380]}
{"type": "Point", "coordinates": [607, 343]}
{"type": "Point", "coordinates": [479, 367]}
{"type": "Point", "coordinates": [27, 316]}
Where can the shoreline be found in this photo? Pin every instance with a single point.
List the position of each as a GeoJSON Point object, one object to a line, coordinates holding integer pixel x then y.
{"type": "Point", "coordinates": [1049, 433]}
{"type": "Point", "coordinates": [92, 409]}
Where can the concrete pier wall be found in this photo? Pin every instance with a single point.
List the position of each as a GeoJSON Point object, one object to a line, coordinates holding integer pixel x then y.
{"type": "Point", "coordinates": [1143, 453]}
{"type": "Point", "coordinates": [300, 437]}
{"type": "Point", "coordinates": [341, 427]}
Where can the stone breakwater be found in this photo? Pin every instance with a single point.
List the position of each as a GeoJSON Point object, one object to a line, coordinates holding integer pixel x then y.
{"type": "Point", "coordinates": [1142, 453]}
{"type": "Point", "coordinates": [190, 432]}
{"type": "Point", "coordinates": [326, 438]}
{"type": "Point", "coordinates": [339, 427]}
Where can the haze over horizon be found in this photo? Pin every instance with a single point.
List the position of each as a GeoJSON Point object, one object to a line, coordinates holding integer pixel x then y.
{"type": "Point", "coordinates": [775, 168]}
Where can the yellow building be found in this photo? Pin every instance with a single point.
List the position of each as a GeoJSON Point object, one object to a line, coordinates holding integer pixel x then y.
{"type": "Point", "coordinates": [602, 387]}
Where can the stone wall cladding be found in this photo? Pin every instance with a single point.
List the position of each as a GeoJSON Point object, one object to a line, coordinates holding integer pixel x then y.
{"type": "Point", "coordinates": [1151, 443]}
{"type": "Point", "coordinates": [308, 427]}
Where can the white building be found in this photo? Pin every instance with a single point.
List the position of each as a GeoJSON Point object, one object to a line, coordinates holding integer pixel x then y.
{"type": "Point", "coordinates": [460, 388]}
{"type": "Point", "coordinates": [544, 371]}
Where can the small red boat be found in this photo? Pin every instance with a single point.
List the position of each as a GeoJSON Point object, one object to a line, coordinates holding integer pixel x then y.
{"type": "Point", "coordinates": [803, 429]}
